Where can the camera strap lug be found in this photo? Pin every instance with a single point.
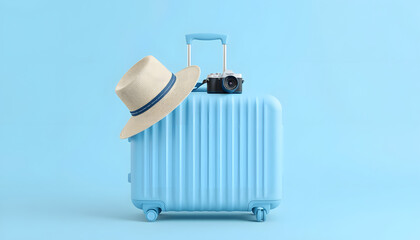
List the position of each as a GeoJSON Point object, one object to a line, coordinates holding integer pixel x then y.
{"type": "Point", "coordinates": [198, 85]}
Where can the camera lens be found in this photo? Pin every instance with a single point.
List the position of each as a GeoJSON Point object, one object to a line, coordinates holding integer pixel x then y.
{"type": "Point", "coordinates": [230, 84]}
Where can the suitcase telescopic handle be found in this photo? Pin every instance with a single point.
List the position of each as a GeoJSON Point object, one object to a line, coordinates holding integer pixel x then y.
{"type": "Point", "coordinates": [206, 37]}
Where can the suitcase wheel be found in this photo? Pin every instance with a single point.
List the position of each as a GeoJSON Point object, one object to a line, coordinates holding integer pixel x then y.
{"type": "Point", "coordinates": [152, 214]}
{"type": "Point", "coordinates": [260, 213]}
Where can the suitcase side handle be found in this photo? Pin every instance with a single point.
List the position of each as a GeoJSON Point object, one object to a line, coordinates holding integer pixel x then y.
{"type": "Point", "coordinates": [206, 37]}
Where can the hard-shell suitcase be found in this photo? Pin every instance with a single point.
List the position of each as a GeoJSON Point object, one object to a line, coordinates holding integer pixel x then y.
{"type": "Point", "coordinates": [214, 152]}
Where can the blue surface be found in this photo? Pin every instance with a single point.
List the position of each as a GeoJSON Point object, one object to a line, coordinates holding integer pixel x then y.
{"type": "Point", "coordinates": [214, 152]}
{"type": "Point", "coordinates": [346, 72]}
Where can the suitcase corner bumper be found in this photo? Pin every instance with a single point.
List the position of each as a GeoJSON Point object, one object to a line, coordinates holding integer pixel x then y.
{"type": "Point", "coordinates": [266, 204]}
{"type": "Point", "coordinates": [149, 204]}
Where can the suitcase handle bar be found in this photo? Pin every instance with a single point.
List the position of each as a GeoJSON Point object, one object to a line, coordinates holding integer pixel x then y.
{"type": "Point", "coordinates": [206, 37]}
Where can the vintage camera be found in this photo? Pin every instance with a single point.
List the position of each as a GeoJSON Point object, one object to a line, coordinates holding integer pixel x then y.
{"type": "Point", "coordinates": [227, 82]}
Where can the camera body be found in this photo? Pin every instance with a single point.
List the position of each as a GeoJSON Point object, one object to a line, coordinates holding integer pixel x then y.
{"type": "Point", "coordinates": [227, 82]}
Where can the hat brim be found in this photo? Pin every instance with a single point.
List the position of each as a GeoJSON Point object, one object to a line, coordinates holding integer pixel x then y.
{"type": "Point", "coordinates": [185, 82]}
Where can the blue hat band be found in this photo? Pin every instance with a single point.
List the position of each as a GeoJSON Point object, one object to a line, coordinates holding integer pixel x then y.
{"type": "Point", "coordinates": [156, 99]}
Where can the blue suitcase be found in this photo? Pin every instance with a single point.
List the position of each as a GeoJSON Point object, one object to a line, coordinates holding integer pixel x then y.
{"type": "Point", "coordinates": [214, 152]}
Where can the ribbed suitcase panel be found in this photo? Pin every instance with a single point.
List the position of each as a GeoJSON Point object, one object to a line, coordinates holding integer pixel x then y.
{"type": "Point", "coordinates": [214, 152]}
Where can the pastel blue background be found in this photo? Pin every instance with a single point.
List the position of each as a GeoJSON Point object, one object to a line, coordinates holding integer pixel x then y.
{"type": "Point", "coordinates": [347, 74]}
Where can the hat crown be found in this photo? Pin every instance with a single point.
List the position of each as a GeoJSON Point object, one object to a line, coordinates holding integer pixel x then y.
{"type": "Point", "coordinates": [143, 82]}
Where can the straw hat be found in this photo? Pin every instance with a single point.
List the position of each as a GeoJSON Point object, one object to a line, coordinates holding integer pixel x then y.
{"type": "Point", "coordinates": [150, 92]}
